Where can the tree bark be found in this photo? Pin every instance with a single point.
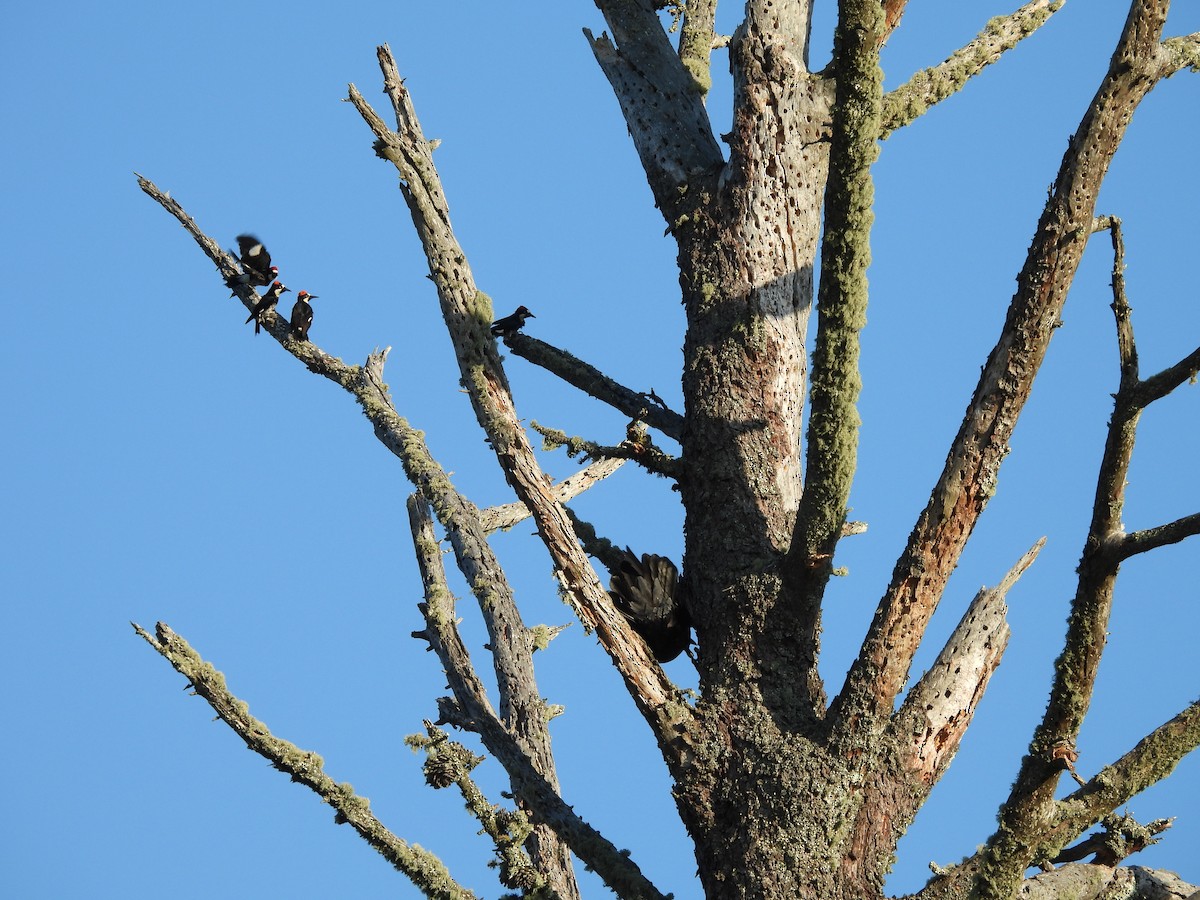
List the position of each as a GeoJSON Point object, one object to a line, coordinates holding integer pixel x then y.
{"type": "Point", "coordinates": [784, 794]}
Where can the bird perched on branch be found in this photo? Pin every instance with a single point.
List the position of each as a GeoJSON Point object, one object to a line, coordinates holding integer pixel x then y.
{"type": "Point", "coordinates": [649, 594]}
{"type": "Point", "coordinates": [265, 302]}
{"type": "Point", "coordinates": [302, 315]}
{"type": "Point", "coordinates": [512, 324]}
{"type": "Point", "coordinates": [256, 263]}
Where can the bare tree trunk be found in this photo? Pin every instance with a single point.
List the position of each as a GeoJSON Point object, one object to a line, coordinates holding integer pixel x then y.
{"type": "Point", "coordinates": [786, 793]}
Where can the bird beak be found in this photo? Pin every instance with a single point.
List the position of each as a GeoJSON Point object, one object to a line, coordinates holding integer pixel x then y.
{"type": "Point", "coordinates": [314, 297]}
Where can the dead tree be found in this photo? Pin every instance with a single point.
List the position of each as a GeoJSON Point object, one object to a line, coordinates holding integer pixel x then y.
{"type": "Point", "coordinates": [788, 787]}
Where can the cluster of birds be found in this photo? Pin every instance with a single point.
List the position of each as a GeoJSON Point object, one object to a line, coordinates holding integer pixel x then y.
{"type": "Point", "coordinates": [258, 271]}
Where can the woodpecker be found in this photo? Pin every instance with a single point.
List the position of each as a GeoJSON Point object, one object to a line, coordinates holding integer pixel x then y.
{"type": "Point", "coordinates": [302, 315]}
{"type": "Point", "coordinates": [256, 263]}
{"type": "Point", "coordinates": [649, 594]}
{"type": "Point", "coordinates": [512, 324]}
{"type": "Point", "coordinates": [266, 302]}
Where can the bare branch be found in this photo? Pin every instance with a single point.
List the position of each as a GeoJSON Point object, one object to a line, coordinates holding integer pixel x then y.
{"type": "Point", "coordinates": [1135, 395]}
{"type": "Point", "coordinates": [1180, 53]}
{"type": "Point", "coordinates": [448, 762]}
{"type": "Point", "coordinates": [275, 325]}
{"type": "Point", "coordinates": [1152, 538]}
{"type": "Point", "coordinates": [472, 710]}
{"type": "Point", "coordinates": [425, 870]}
{"type": "Point", "coordinates": [467, 313]}
{"type": "Point", "coordinates": [1159, 385]}
{"type": "Point", "coordinates": [660, 97]}
{"type": "Point", "coordinates": [1149, 762]}
{"type": "Point", "coordinates": [1121, 838]}
{"type": "Point", "coordinates": [641, 450]}
{"type": "Point", "coordinates": [930, 86]}
{"type": "Point", "coordinates": [497, 518]}
{"type": "Point", "coordinates": [592, 381]}
{"type": "Point", "coordinates": [1126, 345]}
{"type": "Point", "coordinates": [224, 262]}
{"type": "Point", "coordinates": [925, 733]}
{"type": "Point", "coordinates": [942, 704]}
{"type": "Point", "coordinates": [523, 711]}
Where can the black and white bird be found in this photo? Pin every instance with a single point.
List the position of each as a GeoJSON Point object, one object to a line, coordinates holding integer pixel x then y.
{"type": "Point", "coordinates": [512, 324]}
{"type": "Point", "coordinates": [302, 315]}
{"type": "Point", "coordinates": [648, 592]}
{"type": "Point", "coordinates": [265, 302]}
{"type": "Point", "coordinates": [256, 263]}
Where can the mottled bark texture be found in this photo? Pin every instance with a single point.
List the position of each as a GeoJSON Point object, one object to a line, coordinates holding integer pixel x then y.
{"type": "Point", "coordinates": [786, 795]}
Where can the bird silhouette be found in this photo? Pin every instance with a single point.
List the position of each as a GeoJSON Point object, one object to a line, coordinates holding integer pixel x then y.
{"type": "Point", "coordinates": [653, 599]}
{"type": "Point", "coordinates": [513, 323]}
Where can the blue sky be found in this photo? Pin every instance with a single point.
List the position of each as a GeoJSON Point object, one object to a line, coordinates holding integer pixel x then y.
{"type": "Point", "coordinates": [166, 464]}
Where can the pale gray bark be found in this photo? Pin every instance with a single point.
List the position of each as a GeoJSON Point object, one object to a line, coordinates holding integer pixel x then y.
{"type": "Point", "coordinates": [762, 751]}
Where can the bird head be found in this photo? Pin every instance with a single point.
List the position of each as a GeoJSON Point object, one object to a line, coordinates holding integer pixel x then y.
{"type": "Point", "coordinates": [305, 295]}
{"type": "Point", "coordinates": [524, 313]}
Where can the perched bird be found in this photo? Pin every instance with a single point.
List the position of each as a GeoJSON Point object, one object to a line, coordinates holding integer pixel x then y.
{"type": "Point", "coordinates": [302, 315]}
{"type": "Point", "coordinates": [649, 594]}
{"type": "Point", "coordinates": [265, 302]}
{"type": "Point", "coordinates": [256, 263]}
{"type": "Point", "coordinates": [512, 324]}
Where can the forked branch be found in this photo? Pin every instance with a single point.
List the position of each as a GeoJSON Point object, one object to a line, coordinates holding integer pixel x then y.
{"type": "Point", "coordinates": [636, 405]}
{"type": "Point", "coordinates": [522, 703]}
{"type": "Point", "coordinates": [471, 710]}
{"type": "Point", "coordinates": [1021, 836]}
{"type": "Point", "coordinates": [1152, 760]}
{"type": "Point", "coordinates": [661, 96]}
{"type": "Point", "coordinates": [467, 313]}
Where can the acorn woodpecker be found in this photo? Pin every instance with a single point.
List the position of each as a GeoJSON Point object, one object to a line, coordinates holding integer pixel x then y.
{"type": "Point", "coordinates": [302, 315]}
{"type": "Point", "coordinates": [256, 263]}
{"type": "Point", "coordinates": [649, 594]}
{"type": "Point", "coordinates": [265, 302]}
{"type": "Point", "coordinates": [512, 324]}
